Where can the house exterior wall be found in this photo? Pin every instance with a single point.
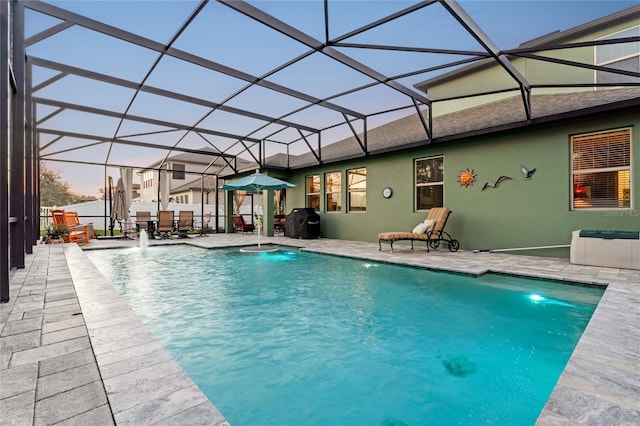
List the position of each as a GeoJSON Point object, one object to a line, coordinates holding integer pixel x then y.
{"type": "Point", "coordinates": [192, 171]}
{"type": "Point", "coordinates": [149, 194]}
{"type": "Point", "coordinates": [534, 71]}
{"type": "Point", "coordinates": [195, 196]}
{"type": "Point", "coordinates": [519, 213]}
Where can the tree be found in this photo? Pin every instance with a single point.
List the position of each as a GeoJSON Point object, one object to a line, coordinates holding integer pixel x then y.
{"type": "Point", "coordinates": [53, 190]}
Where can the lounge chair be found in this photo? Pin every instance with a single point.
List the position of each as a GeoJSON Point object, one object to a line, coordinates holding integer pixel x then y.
{"type": "Point", "coordinates": [77, 234]}
{"type": "Point", "coordinates": [431, 232]}
{"type": "Point", "coordinates": [165, 223]}
{"type": "Point", "coordinates": [185, 223]}
{"type": "Point", "coordinates": [241, 225]}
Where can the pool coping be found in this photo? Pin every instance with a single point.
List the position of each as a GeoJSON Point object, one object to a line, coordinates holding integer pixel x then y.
{"type": "Point", "coordinates": [144, 385]}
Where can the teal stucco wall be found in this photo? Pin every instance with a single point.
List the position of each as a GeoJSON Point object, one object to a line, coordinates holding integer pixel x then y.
{"type": "Point", "coordinates": [519, 213]}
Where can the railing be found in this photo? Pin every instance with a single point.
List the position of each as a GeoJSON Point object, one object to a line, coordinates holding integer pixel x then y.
{"type": "Point", "coordinates": [45, 218]}
{"type": "Point", "coordinates": [99, 222]}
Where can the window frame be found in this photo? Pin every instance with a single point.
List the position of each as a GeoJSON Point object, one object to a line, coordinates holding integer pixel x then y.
{"type": "Point", "coordinates": [178, 171]}
{"type": "Point", "coordinates": [147, 179]}
{"type": "Point", "coordinates": [573, 172]}
{"type": "Point", "coordinates": [310, 194]}
{"type": "Point", "coordinates": [351, 190]}
{"type": "Point", "coordinates": [329, 190]}
{"type": "Point", "coordinates": [417, 185]}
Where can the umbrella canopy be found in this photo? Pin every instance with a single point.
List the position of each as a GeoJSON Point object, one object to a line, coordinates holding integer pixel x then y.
{"type": "Point", "coordinates": [126, 173]}
{"type": "Point", "coordinates": [165, 189]}
{"type": "Point", "coordinates": [257, 182]}
{"type": "Point", "coordinates": [120, 210]}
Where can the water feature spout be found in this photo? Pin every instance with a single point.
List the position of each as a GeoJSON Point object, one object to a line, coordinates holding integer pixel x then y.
{"type": "Point", "coordinates": [144, 239]}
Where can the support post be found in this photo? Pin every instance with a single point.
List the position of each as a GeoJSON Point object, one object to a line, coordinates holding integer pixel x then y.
{"type": "Point", "coordinates": [268, 209]}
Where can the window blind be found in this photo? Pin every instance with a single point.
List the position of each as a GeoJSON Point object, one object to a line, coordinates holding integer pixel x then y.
{"type": "Point", "coordinates": [602, 151]}
{"type": "Point", "coordinates": [602, 170]}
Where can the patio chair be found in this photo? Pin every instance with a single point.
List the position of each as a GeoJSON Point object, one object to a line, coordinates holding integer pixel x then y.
{"type": "Point", "coordinates": [240, 225]}
{"type": "Point", "coordinates": [279, 221]}
{"type": "Point", "coordinates": [185, 223]}
{"type": "Point", "coordinates": [77, 234]}
{"type": "Point", "coordinates": [205, 225]}
{"type": "Point", "coordinates": [57, 216]}
{"type": "Point", "coordinates": [73, 221]}
{"type": "Point", "coordinates": [431, 231]}
{"type": "Point", "coordinates": [165, 223]}
{"type": "Point", "coordinates": [143, 218]}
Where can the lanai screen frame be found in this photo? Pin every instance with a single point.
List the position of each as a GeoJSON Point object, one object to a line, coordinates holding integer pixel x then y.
{"type": "Point", "coordinates": [20, 99]}
{"type": "Point", "coordinates": [415, 100]}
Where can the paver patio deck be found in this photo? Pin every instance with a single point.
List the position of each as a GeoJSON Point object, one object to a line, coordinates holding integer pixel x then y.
{"type": "Point", "coordinates": [73, 352]}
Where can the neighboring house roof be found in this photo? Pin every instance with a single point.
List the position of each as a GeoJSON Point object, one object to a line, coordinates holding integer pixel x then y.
{"type": "Point", "coordinates": [202, 159]}
{"type": "Point", "coordinates": [553, 38]}
{"type": "Point", "coordinates": [196, 185]}
{"type": "Point", "coordinates": [185, 157]}
{"type": "Point", "coordinates": [408, 132]}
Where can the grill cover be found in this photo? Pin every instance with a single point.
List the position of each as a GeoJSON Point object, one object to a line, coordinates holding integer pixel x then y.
{"type": "Point", "coordinates": [302, 223]}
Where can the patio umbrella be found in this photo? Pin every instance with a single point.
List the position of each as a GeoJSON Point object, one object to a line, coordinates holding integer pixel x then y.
{"type": "Point", "coordinates": [257, 182]}
{"type": "Point", "coordinates": [126, 173]}
{"type": "Point", "coordinates": [120, 209]}
{"type": "Point", "coordinates": [165, 189]}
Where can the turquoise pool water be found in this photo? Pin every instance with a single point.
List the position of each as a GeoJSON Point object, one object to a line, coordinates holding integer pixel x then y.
{"type": "Point", "coordinates": [295, 338]}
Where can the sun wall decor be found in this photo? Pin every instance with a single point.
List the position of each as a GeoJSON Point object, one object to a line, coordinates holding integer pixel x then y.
{"type": "Point", "coordinates": [466, 177]}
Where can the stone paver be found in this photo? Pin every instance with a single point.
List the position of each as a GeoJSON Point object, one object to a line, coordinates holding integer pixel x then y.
{"type": "Point", "coordinates": [73, 353]}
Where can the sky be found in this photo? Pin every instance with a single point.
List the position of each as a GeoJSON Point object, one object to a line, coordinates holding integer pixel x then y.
{"type": "Point", "coordinates": [227, 37]}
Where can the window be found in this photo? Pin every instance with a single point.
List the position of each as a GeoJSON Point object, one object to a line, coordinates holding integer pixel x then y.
{"type": "Point", "coordinates": [429, 182]}
{"type": "Point", "coordinates": [178, 171]}
{"type": "Point", "coordinates": [147, 179]}
{"type": "Point", "coordinates": [601, 170]}
{"type": "Point", "coordinates": [313, 192]}
{"type": "Point", "coordinates": [357, 197]}
{"type": "Point", "coordinates": [622, 56]}
{"type": "Point", "coordinates": [333, 189]}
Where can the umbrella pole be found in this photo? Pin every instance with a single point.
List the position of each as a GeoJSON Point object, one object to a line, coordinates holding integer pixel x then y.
{"type": "Point", "coordinates": [259, 226]}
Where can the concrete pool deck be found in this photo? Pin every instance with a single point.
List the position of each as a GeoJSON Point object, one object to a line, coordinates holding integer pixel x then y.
{"type": "Point", "coordinates": [73, 353]}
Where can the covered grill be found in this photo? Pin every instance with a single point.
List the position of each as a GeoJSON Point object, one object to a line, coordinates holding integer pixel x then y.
{"type": "Point", "coordinates": [302, 223]}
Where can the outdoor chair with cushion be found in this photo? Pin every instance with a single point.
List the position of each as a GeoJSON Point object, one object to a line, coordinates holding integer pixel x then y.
{"type": "Point", "coordinates": [431, 231]}
{"type": "Point", "coordinates": [165, 223]}
{"type": "Point", "coordinates": [185, 223]}
{"type": "Point", "coordinates": [241, 225]}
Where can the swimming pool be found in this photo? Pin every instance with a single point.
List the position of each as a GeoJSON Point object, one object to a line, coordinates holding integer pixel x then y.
{"type": "Point", "coordinates": [306, 339]}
